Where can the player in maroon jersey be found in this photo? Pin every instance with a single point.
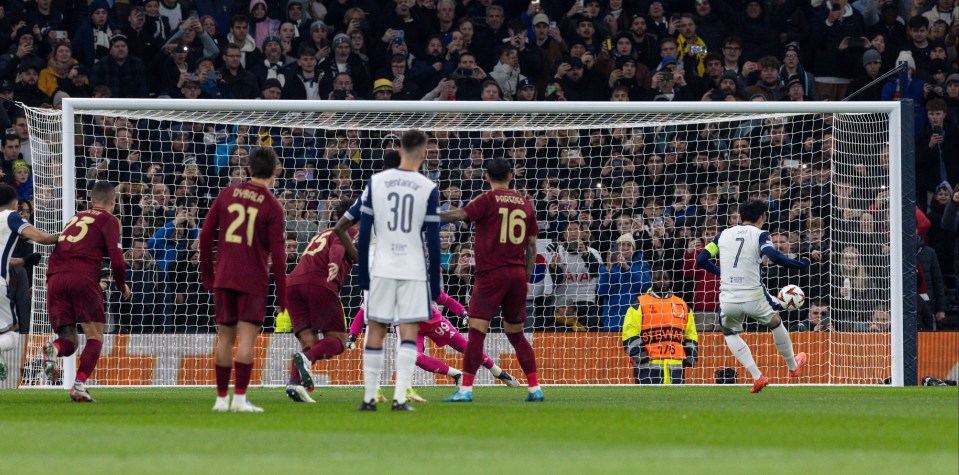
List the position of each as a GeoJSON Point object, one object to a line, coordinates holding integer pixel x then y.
{"type": "Point", "coordinates": [73, 285]}
{"type": "Point", "coordinates": [313, 293]}
{"type": "Point", "coordinates": [505, 244]}
{"type": "Point", "coordinates": [246, 224]}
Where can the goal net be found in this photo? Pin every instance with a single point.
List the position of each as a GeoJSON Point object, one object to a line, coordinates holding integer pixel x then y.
{"type": "Point", "coordinates": [665, 178]}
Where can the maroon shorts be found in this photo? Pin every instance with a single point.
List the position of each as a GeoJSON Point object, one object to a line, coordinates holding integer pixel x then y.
{"type": "Point", "coordinates": [504, 287]}
{"type": "Point", "coordinates": [315, 307]}
{"type": "Point", "coordinates": [71, 301]}
{"type": "Point", "coordinates": [234, 306]}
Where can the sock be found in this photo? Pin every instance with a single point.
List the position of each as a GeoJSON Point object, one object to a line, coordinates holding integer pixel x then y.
{"type": "Point", "coordinates": [472, 358]}
{"type": "Point", "coordinates": [741, 351]}
{"type": "Point", "coordinates": [784, 345]}
{"type": "Point", "coordinates": [405, 361]}
{"type": "Point", "coordinates": [8, 341]}
{"type": "Point", "coordinates": [239, 399]}
{"type": "Point", "coordinates": [325, 348]}
{"type": "Point", "coordinates": [489, 364]}
{"type": "Point", "coordinates": [294, 376]}
{"type": "Point", "coordinates": [222, 380]}
{"type": "Point", "coordinates": [88, 359]}
{"type": "Point", "coordinates": [494, 369]}
{"type": "Point", "coordinates": [433, 365]}
{"type": "Point", "coordinates": [64, 347]}
{"type": "Point", "coordinates": [526, 358]}
{"type": "Point", "coordinates": [372, 366]}
{"type": "Point", "coordinates": [453, 372]}
{"type": "Point", "coordinates": [243, 373]}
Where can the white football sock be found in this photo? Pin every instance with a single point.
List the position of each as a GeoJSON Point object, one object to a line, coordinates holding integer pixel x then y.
{"type": "Point", "coordinates": [496, 370]}
{"type": "Point", "coordinates": [784, 345]}
{"type": "Point", "coordinates": [239, 399]}
{"type": "Point", "coordinates": [8, 341]}
{"type": "Point", "coordinates": [453, 372]}
{"type": "Point", "coordinates": [405, 362]}
{"type": "Point", "coordinates": [741, 351]}
{"type": "Point", "coordinates": [372, 367]}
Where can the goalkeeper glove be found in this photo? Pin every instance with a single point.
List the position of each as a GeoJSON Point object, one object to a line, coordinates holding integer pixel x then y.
{"type": "Point", "coordinates": [283, 323]}
{"type": "Point", "coordinates": [32, 259]}
{"type": "Point", "coordinates": [351, 342]}
{"type": "Point", "coordinates": [465, 319]}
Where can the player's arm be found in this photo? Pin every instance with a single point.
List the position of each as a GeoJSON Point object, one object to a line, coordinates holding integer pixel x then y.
{"type": "Point", "coordinates": [366, 232]}
{"type": "Point", "coordinates": [118, 266]}
{"type": "Point", "coordinates": [451, 304]}
{"type": "Point", "coordinates": [530, 255]}
{"type": "Point", "coordinates": [432, 225]}
{"type": "Point", "coordinates": [207, 240]}
{"type": "Point", "coordinates": [691, 342]}
{"type": "Point", "coordinates": [277, 229]}
{"type": "Point", "coordinates": [355, 328]}
{"type": "Point", "coordinates": [38, 236]}
{"type": "Point", "coordinates": [774, 255]}
{"type": "Point", "coordinates": [710, 251]}
{"type": "Point", "coordinates": [31, 260]}
{"type": "Point", "coordinates": [453, 215]}
{"type": "Point", "coordinates": [341, 229]}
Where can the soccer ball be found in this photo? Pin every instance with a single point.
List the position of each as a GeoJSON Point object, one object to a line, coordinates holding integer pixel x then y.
{"type": "Point", "coordinates": [792, 297]}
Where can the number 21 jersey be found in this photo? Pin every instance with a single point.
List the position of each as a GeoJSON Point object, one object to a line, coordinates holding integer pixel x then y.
{"type": "Point", "coordinates": [504, 223]}
{"type": "Point", "coordinates": [401, 202]}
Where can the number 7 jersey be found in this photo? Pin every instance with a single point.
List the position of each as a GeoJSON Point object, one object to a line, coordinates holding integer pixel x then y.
{"type": "Point", "coordinates": [740, 257]}
{"type": "Point", "coordinates": [504, 223]}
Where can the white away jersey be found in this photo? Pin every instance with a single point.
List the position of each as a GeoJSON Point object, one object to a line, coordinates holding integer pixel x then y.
{"type": "Point", "coordinates": [740, 258]}
{"type": "Point", "coordinates": [401, 203]}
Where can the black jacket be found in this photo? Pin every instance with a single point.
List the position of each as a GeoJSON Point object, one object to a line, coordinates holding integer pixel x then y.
{"type": "Point", "coordinates": [242, 85]}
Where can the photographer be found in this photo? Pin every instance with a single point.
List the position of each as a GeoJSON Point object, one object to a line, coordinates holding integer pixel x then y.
{"type": "Point", "coordinates": [669, 83]}
{"type": "Point", "coordinates": [578, 80]}
{"type": "Point", "coordinates": [469, 78]}
{"type": "Point", "coordinates": [575, 270]}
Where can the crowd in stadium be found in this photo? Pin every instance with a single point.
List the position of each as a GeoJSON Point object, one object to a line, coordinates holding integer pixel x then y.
{"type": "Point", "coordinates": [614, 203]}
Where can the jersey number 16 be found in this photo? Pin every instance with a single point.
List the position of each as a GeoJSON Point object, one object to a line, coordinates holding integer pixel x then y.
{"type": "Point", "coordinates": [513, 226]}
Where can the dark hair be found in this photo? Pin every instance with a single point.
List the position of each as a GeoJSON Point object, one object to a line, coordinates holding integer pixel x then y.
{"type": "Point", "coordinates": [9, 137]}
{"type": "Point", "coordinates": [412, 140]}
{"type": "Point", "coordinates": [752, 210]}
{"type": "Point", "coordinates": [733, 39]}
{"type": "Point", "coordinates": [8, 194]}
{"type": "Point", "coordinates": [262, 162]}
{"type": "Point", "coordinates": [239, 19]}
{"type": "Point", "coordinates": [391, 160]}
{"type": "Point", "coordinates": [102, 192]}
{"type": "Point", "coordinates": [918, 22]}
{"type": "Point", "coordinates": [936, 104]}
{"type": "Point", "coordinates": [306, 51]}
{"type": "Point", "coordinates": [342, 207]}
{"type": "Point", "coordinates": [498, 169]}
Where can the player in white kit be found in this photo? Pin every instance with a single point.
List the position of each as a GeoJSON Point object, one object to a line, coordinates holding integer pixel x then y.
{"type": "Point", "coordinates": [742, 294]}
{"type": "Point", "coordinates": [400, 206]}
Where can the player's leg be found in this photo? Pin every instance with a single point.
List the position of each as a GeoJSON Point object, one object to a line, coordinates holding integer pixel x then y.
{"type": "Point", "coordinates": [514, 317]}
{"type": "Point", "coordinates": [488, 293]}
{"type": "Point", "coordinates": [246, 333]}
{"type": "Point", "coordinates": [731, 318]}
{"type": "Point", "coordinates": [63, 321]}
{"type": "Point", "coordinates": [223, 364]}
{"type": "Point", "coordinates": [372, 362]}
{"type": "Point", "coordinates": [785, 346]}
{"type": "Point", "coordinates": [406, 360]}
{"type": "Point", "coordinates": [297, 301]}
{"type": "Point", "coordinates": [88, 360]}
{"type": "Point", "coordinates": [456, 341]}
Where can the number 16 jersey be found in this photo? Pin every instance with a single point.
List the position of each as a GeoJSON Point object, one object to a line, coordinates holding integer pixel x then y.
{"type": "Point", "coordinates": [504, 223]}
{"type": "Point", "coordinates": [401, 203]}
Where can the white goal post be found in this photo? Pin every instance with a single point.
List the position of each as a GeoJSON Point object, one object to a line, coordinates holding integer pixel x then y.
{"type": "Point", "coordinates": [633, 157]}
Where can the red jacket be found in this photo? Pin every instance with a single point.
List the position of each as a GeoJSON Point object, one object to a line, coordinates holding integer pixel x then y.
{"type": "Point", "coordinates": [705, 285]}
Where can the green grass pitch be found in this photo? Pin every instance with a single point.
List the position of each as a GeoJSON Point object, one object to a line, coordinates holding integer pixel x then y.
{"type": "Point", "coordinates": [810, 431]}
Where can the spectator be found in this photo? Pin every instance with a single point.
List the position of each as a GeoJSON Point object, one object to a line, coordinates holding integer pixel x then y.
{"type": "Point", "coordinates": [174, 236]}
{"type": "Point", "coordinates": [552, 49]}
{"type": "Point", "coordinates": [660, 360]}
{"type": "Point", "coordinates": [819, 319]}
{"type": "Point", "coordinates": [432, 67]}
{"type": "Point", "coordinates": [212, 84]}
{"type": "Point", "coordinates": [155, 25]}
{"type": "Point", "coordinates": [171, 69]}
{"type": "Point", "coordinates": [344, 60]}
{"type": "Point", "coordinates": [263, 26]}
{"type": "Point", "coordinates": [123, 74]}
{"type": "Point", "coordinates": [11, 155]}
{"type": "Point", "coordinates": [692, 49]}
{"type": "Point", "coordinates": [487, 41]}
{"type": "Point", "coordinates": [459, 281]}
{"type": "Point", "coordinates": [872, 65]}
{"type": "Point", "coordinates": [768, 83]}
{"type": "Point", "coordinates": [27, 91]}
{"type": "Point", "coordinates": [94, 39]}
{"type": "Point", "coordinates": [246, 44]}
{"type": "Point", "coordinates": [853, 291]}
{"type": "Point", "coordinates": [932, 288]}
{"type": "Point", "coordinates": [506, 73]}
{"type": "Point", "coordinates": [469, 78]}
{"type": "Point", "coordinates": [578, 83]}
{"type": "Point", "coordinates": [200, 43]}
{"type": "Point", "coordinates": [709, 26]}
{"type": "Point", "coordinates": [59, 64]}
{"type": "Point", "coordinates": [575, 267]}
{"type": "Point", "coordinates": [705, 285]}
{"type": "Point", "coordinates": [142, 42]}
{"type": "Point", "coordinates": [624, 278]}
{"type": "Point", "coordinates": [241, 83]}
{"type": "Point", "coordinates": [936, 142]}
{"type": "Point", "coordinates": [758, 27]}
{"type": "Point", "coordinates": [304, 82]}
{"type": "Point", "coordinates": [274, 64]}
{"type": "Point", "coordinates": [142, 278]}
{"type": "Point", "coordinates": [172, 11]}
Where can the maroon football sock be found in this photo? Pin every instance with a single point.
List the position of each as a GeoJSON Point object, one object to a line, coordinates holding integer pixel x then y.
{"type": "Point", "coordinates": [243, 373]}
{"type": "Point", "coordinates": [64, 347]}
{"type": "Point", "coordinates": [473, 356]}
{"type": "Point", "coordinates": [325, 348]}
{"type": "Point", "coordinates": [294, 375]}
{"type": "Point", "coordinates": [222, 380]}
{"type": "Point", "coordinates": [525, 356]}
{"type": "Point", "coordinates": [88, 359]}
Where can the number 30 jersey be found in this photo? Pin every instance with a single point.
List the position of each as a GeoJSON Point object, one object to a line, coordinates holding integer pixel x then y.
{"type": "Point", "coordinates": [401, 202]}
{"type": "Point", "coordinates": [740, 258]}
{"type": "Point", "coordinates": [504, 223]}
{"type": "Point", "coordinates": [87, 238]}
{"type": "Point", "coordinates": [247, 223]}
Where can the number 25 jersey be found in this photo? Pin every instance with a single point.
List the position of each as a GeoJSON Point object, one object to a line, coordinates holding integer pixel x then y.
{"type": "Point", "coordinates": [87, 238]}
{"type": "Point", "coordinates": [401, 203]}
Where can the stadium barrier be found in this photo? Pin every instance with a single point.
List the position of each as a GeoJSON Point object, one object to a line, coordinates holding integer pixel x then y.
{"type": "Point", "coordinates": [597, 357]}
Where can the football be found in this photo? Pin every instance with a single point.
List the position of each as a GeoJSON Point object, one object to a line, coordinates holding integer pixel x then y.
{"type": "Point", "coordinates": [792, 297]}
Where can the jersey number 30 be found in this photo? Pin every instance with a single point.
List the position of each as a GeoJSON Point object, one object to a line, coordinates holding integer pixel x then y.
{"type": "Point", "coordinates": [513, 226]}
{"type": "Point", "coordinates": [243, 213]}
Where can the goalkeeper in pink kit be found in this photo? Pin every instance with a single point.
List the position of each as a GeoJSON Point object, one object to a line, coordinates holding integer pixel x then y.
{"type": "Point", "coordinates": [442, 333]}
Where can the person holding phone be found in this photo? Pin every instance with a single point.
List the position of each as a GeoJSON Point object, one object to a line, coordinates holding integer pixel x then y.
{"type": "Point", "coordinates": [624, 277]}
{"type": "Point", "coordinates": [839, 33]}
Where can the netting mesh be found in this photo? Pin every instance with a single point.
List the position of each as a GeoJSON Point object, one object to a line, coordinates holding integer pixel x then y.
{"type": "Point", "coordinates": [670, 181]}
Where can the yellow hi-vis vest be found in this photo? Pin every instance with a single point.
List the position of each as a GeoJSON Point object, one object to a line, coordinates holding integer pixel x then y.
{"type": "Point", "coordinates": [663, 324]}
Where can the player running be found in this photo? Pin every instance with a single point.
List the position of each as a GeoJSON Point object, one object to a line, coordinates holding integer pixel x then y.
{"type": "Point", "coordinates": [313, 295]}
{"type": "Point", "coordinates": [399, 205]}
{"type": "Point", "coordinates": [742, 293]}
{"type": "Point", "coordinates": [442, 333]}
{"type": "Point", "coordinates": [73, 285]}
{"type": "Point", "coordinates": [505, 239]}
{"type": "Point", "coordinates": [246, 223]}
